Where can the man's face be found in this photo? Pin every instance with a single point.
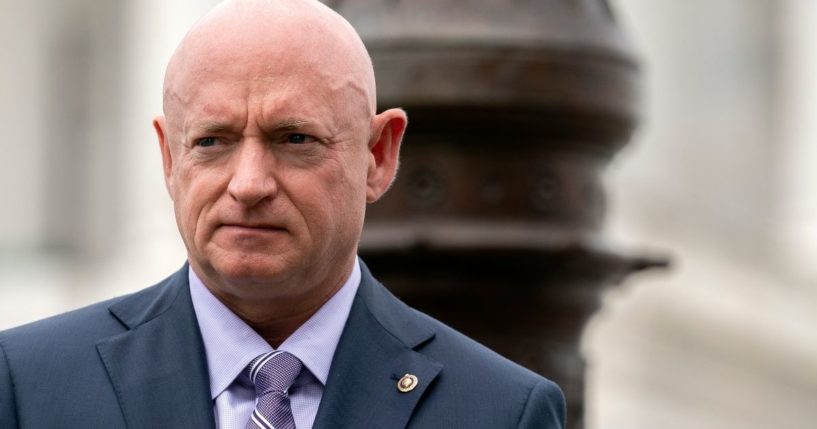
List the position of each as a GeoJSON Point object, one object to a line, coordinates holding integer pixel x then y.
{"type": "Point", "coordinates": [267, 167]}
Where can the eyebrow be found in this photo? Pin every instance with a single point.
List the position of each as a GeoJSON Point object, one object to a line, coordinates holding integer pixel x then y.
{"type": "Point", "coordinates": [289, 124]}
{"type": "Point", "coordinates": [212, 127]}
{"type": "Point", "coordinates": [215, 127]}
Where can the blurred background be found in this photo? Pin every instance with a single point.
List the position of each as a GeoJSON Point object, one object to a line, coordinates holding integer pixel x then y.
{"type": "Point", "coordinates": [720, 176]}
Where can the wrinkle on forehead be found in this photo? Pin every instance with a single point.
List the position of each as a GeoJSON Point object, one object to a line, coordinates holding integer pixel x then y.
{"type": "Point", "coordinates": [258, 40]}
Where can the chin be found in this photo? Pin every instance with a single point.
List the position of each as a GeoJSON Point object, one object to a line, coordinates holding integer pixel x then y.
{"type": "Point", "coordinates": [252, 270]}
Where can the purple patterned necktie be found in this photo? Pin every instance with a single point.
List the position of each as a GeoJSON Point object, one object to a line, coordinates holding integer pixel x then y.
{"type": "Point", "coordinates": [273, 373]}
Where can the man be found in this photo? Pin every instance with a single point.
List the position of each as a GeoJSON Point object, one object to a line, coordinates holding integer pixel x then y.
{"type": "Point", "coordinates": [271, 147]}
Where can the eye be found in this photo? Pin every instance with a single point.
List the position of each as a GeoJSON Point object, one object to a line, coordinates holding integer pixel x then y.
{"type": "Point", "coordinates": [206, 142]}
{"type": "Point", "coordinates": [296, 138]}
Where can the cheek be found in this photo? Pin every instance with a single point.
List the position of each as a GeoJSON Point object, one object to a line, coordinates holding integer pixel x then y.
{"type": "Point", "coordinates": [334, 198]}
{"type": "Point", "coordinates": [194, 193]}
{"type": "Point", "coordinates": [349, 197]}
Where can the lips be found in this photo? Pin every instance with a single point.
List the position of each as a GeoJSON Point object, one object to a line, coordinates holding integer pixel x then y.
{"type": "Point", "coordinates": [252, 227]}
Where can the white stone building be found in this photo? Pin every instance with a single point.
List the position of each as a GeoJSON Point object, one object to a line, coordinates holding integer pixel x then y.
{"type": "Point", "coordinates": [722, 175]}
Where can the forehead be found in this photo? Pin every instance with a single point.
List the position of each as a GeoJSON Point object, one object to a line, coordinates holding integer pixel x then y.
{"type": "Point", "coordinates": [234, 87]}
{"type": "Point", "coordinates": [297, 71]}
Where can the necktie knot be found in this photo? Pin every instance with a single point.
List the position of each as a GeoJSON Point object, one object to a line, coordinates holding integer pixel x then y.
{"type": "Point", "coordinates": [274, 372]}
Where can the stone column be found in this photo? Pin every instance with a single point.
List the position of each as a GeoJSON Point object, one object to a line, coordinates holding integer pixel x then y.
{"type": "Point", "coordinates": [495, 223]}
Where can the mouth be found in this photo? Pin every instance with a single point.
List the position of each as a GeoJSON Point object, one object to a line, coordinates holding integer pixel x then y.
{"type": "Point", "coordinates": [251, 228]}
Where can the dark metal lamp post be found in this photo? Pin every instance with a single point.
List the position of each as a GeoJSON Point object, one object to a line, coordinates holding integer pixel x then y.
{"type": "Point", "coordinates": [494, 224]}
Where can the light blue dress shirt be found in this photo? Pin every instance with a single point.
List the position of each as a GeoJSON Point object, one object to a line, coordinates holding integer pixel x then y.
{"type": "Point", "coordinates": [230, 344]}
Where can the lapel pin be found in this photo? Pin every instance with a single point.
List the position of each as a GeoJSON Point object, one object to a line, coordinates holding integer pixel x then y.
{"type": "Point", "coordinates": [407, 383]}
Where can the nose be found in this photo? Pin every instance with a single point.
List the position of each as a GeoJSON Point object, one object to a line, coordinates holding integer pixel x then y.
{"type": "Point", "coordinates": [252, 181]}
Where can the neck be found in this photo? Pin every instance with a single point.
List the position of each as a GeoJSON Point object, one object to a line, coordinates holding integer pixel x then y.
{"type": "Point", "coordinates": [276, 317]}
{"type": "Point", "coordinates": [277, 326]}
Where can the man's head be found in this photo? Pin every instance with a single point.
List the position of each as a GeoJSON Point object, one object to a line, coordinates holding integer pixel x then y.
{"type": "Point", "coordinates": [272, 148]}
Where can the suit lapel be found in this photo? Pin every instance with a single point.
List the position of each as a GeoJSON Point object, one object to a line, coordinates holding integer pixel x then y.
{"type": "Point", "coordinates": [374, 352]}
{"type": "Point", "coordinates": [158, 367]}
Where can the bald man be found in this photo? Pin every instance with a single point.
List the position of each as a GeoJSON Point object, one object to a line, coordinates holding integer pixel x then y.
{"type": "Point", "coordinates": [272, 147]}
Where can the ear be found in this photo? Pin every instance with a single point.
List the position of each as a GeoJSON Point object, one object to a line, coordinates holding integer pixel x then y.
{"type": "Point", "coordinates": [387, 134]}
{"type": "Point", "coordinates": [160, 125]}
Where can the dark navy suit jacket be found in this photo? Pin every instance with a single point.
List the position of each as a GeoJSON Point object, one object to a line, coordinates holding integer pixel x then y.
{"type": "Point", "coordinates": [138, 362]}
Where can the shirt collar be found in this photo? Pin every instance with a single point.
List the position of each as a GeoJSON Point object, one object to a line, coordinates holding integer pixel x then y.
{"type": "Point", "coordinates": [230, 344]}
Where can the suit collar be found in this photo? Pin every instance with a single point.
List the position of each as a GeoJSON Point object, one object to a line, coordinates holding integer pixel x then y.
{"type": "Point", "coordinates": [376, 349]}
{"type": "Point", "coordinates": [156, 388]}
